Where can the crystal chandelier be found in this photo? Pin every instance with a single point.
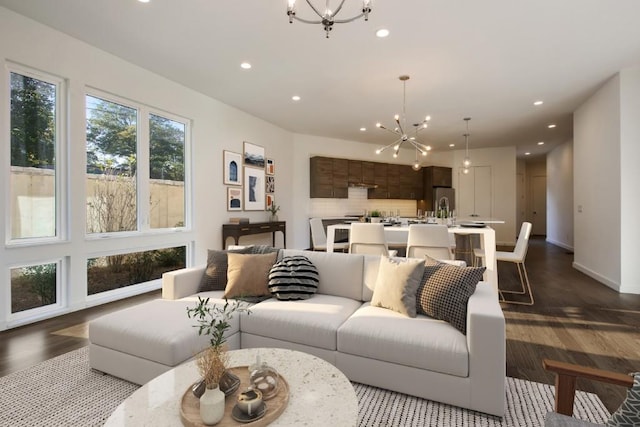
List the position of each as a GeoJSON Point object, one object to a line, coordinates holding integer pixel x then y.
{"type": "Point", "coordinates": [466, 163]}
{"type": "Point", "coordinates": [328, 15]}
{"type": "Point", "coordinates": [401, 130]}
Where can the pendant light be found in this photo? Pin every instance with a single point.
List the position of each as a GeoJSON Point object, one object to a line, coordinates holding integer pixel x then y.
{"type": "Point", "coordinates": [466, 163]}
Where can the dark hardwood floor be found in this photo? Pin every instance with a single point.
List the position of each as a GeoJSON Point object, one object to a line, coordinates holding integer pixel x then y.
{"type": "Point", "coordinates": [575, 319]}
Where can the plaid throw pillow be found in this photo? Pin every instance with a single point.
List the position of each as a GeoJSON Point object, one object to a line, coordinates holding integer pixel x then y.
{"type": "Point", "coordinates": [445, 291]}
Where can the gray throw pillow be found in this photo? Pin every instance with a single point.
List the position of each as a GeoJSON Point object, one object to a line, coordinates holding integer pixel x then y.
{"type": "Point", "coordinates": [445, 291]}
{"type": "Point", "coordinates": [628, 414]}
{"type": "Point", "coordinates": [396, 285]}
{"type": "Point", "coordinates": [293, 278]}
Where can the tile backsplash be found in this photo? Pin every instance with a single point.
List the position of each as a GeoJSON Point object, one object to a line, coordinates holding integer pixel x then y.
{"type": "Point", "coordinates": [357, 203]}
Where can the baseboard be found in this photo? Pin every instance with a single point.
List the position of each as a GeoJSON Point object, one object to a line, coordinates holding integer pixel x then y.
{"type": "Point", "coordinates": [604, 280]}
{"type": "Point", "coordinates": [560, 244]}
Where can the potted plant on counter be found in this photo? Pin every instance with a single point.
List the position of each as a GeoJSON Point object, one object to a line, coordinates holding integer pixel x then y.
{"type": "Point", "coordinates": [375, 216]}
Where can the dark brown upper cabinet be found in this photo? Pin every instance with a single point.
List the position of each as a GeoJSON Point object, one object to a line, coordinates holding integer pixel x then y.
{"type": "Point", "coordinates": [329, 177]}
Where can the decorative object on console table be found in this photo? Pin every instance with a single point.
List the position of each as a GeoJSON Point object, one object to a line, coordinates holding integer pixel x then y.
{"type": "Point", "coordinates": [273, 210]}
{"type": "Point", "coordinates": [232, 168]}
{"type": "Point", "coordinates": [238, 220]}
{"type": "Point", "coordinates": [212, 362]}
{"type": "Point", "coordinates": [254, 185]}
{"type": "Point", "coordinates": [234, 198]}
{"type": "Point", "coordinates": [238, 230]}
{"type": "Point", "coordinates": [253, 155]}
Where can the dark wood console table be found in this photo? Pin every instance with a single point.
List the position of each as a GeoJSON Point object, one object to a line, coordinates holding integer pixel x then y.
{"type": "Point", "coordinates": [237, 230]}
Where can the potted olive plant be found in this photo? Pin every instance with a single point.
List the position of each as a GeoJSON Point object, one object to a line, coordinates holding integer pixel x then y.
{"type": "Point", "coordinates": [212, 362]}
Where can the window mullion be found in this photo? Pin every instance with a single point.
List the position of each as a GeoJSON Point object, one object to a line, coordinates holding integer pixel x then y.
{"type": "Point", "coordinates": [142, 171]}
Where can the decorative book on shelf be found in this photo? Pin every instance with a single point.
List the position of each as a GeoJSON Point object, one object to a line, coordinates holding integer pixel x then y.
{"type": "Point", "coordinates": [238, 220]}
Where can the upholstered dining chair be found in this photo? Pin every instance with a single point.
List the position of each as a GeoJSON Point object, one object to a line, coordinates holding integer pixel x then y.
{"type": "Point", "coordinates": [367, 238]}
{"type": "Point", "coordinates": [517, 257]}
{"type": "Point", "coordinates": [429, 239]}
{"type": "Point", "coordinates": [565, 382]}
{"type": "Point", "coordinates": [319, 237]}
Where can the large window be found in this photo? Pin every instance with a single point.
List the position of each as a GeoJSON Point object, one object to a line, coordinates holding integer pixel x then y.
{"type": "Point", "coordinates": [133, 155]}
{"type": "Point", "coordinates": [34, 286]}
{"type": "Point", "coordinates": [112, 136]}
{"type": "Point", "coordinates": [34, 141]}
{"type": "Point", "coordinates": [111, 272]}
{"type": "Point", "coordinates": [166, 170]}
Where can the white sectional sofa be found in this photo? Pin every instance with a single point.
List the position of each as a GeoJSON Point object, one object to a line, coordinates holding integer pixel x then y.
{"type": "Point", "coordinates": [419, 356]}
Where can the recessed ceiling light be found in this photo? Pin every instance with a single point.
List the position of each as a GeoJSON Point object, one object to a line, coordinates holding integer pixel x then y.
{"type": "Point", "coordinates": [527, 153]}
{"type": "Point", "coordinates": [363, 129]}
{"type": "Point", "coordinates": [382, 33]}
{"type": "Point", "coordinates": [144, 1]}
{"type": "Point", "coordinates": [245, 65]}
{"type": "Point", "coordinates": [295, 98]}
{"type": "Point", "coordinates": [551, 126]}
{"type": "Point", "coordinates": [452, 145]}
{"type": "Point", "coordinates": [538, 103]}
{"type": "Point", "coordinates": [541, 143]}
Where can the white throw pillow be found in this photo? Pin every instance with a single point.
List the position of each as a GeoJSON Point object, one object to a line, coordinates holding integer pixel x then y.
{"type": "Point", "coordinates": [397, 284]}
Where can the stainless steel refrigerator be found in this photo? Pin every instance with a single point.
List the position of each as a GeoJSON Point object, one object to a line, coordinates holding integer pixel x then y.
{"type": "Point", "coordinates": [444, 197]}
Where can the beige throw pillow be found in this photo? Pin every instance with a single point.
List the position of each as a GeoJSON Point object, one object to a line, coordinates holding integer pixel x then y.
{"type": "Point", "coordinates": [248, 275]}
{"type": "Point", "coordinates": [397, 284]}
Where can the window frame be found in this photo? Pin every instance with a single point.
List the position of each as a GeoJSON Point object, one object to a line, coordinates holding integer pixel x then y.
{"type": "Point", "coordinates": [60, 153]}
{"type": "Point", "coordinates": [143, 180]}
{"type": "Point", "coordinates": [44, 311]}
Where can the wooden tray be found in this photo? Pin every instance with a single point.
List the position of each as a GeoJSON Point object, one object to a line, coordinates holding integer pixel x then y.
{"type": "Point", "coordinates": [190, 405]}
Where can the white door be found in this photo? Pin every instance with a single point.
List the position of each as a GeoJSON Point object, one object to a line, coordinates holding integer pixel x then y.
{"type": "Point", "coordinates": [539, 205]}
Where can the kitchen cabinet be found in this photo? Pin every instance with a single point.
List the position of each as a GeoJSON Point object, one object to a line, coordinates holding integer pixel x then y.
{"type": "Point", "coordinates": [437, 176]}
{"type": "Point", "coordinates": [329, 178]}
{"type": "Point", "coordinates": [361, 174]}
{"type": "Point", "coordinates": [411, 184]}
{"type": "Point", "coordinates": [355, 172]}
{"type": "Point", "coordinates": [380, 180]}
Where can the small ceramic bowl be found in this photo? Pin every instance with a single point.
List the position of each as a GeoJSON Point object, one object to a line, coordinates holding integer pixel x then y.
{"type": "Point", "coordinates": [249, 401]}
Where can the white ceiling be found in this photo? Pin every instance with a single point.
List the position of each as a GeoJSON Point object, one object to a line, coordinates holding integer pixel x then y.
{"type": "Point", "coordinates": [485, 59]}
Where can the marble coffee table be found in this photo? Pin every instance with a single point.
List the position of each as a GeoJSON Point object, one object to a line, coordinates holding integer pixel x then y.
{"type": "Point", "coordinates": [319, 394]}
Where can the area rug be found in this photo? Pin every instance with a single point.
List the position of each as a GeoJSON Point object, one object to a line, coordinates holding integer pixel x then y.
{"type": "Point", "coordinates": [64, 391]}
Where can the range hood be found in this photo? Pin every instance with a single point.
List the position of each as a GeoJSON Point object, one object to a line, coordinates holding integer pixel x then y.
{"type": "Point", "coordinates": [362, 185]}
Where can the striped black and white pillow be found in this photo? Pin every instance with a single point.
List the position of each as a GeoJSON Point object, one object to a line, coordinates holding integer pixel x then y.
{"type": "Point", "coordinates": [293, 278]}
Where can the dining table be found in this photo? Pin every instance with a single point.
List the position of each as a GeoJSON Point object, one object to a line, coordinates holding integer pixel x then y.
{"type": "Point", "coordinates": [398, 235]}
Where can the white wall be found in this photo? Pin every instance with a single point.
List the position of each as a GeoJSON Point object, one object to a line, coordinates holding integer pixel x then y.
{"type": "Point", "coordinates": [596, 185]}
{"type": "Point", "coordinates": [560, 196]}
{"type": "Point", "coordinates": [629, 179]}
{"type": "Point", "coordinates": [215, 127]}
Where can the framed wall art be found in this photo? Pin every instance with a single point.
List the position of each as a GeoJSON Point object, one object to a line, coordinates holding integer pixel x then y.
{"type": "Point", "coordinates": [234, 198]}
{"type": "Point", "coordinates": [232, 167]}
{"type": "Point", "coordinates": [269, 201]}
{"type": "Point", "coordinates": [271, 167]}
{"type": "Point", "coordinates": [253, 155]}
{"type": "Point", "coordinates": [270, 184]}
{"type": "Point", "coordinates": [254, 186]}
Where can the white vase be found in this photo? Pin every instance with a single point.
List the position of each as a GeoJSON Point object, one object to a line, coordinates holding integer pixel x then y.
{"type": "Point", "coordinates": [212, 406]}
